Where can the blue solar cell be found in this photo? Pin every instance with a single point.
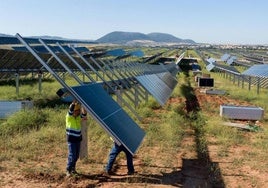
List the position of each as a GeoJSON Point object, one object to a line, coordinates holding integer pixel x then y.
{"type": "Point", "coordinates": [128, 131]}
{"type": "Point", "coordinates": [82, 49]}
{"type": "Point", "coordinates": [56, 49]}
{"type": "Point", "coordinates": [137, 53]}
{"type": "Point", "coordinates": [98, 99]}
{"type": "Point", "coordinates": [112, 117]}
{"type": "Point", "coordinates": [9, 40]}
{"type": "Point", "coordinates": [14, 40]}
{"type": "Point", "coordinates": [116, 52]}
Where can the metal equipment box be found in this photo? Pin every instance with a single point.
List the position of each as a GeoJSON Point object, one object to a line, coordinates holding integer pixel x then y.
{"type": "Point", "coordinates": [9, 107]}
{"type": "Point", "coordinates": [241, 112]}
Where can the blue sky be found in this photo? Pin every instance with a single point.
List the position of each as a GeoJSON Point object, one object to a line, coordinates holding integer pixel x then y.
{"type": "Point", "coordinates": [205, 21]}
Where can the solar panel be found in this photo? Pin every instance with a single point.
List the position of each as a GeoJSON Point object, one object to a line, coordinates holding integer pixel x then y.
{"type": "Point", "coordinates": [226, 68]}
{"type": "Point", "coordinates": [257, 70]}
{"type": "Point", "coordinates": [168, 79]}
{"type": "Point", "coordinates": [116, 52]}
{"type": "Point", "coordinates": [112, 117]}
{"type": "Point", "coordinates": [33, 40]}
{"type": "Point", "coordinates": [231, 60]}
{"type": "Point", "coordinates": [211, 60]}
{"type": "Point", "coordinates": [137, 53]}
{"type": "Point", "coordinates": [156, 87]}
{"type": "Point", "coordinates": [225, 57]}
{"type": "Point", "coordinates": [210, 67]}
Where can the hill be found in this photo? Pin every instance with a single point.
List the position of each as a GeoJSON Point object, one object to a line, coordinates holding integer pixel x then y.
{"type": "Point", "coordinates": [120, 37]}
{"type": "Point", "coordinates": [163, 37]}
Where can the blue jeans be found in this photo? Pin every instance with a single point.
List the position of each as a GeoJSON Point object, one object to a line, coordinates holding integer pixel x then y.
{"type": "Point", "coordinates": [73, 155]}
{"type": "Point", "coordinates": [113, 154]}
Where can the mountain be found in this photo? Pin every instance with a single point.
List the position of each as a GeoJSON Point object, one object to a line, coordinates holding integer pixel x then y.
{"type": "Point", "coordinates": [120, 37]}
{"type": "Point", "coordinates": [163, 37]}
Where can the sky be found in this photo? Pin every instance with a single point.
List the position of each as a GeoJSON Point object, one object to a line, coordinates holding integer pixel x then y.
{"type": "Point", "coordinates": [204, 21]}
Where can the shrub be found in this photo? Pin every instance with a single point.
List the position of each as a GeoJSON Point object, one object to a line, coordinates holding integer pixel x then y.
{"type": "Point", "coordinates": [22, 122]}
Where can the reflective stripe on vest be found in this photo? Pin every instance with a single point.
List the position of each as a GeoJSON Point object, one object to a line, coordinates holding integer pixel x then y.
{"type": "Point", "coordinates": [73, 125]}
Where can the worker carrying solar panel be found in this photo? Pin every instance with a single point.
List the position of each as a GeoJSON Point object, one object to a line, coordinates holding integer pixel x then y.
{"type": "Point", "coordinates": [76, 114]}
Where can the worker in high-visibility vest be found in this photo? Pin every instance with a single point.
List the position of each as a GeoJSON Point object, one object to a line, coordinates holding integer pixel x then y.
{"type": "Point", "coordinates": [74, 117]}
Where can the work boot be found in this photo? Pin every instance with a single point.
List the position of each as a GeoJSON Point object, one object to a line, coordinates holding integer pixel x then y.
{"type": "Point", "coordinates": [130, 173]}
{"type": "Point", "coordinates": [107, 173]}
{"type": "Point", "coordinates": [68, 173]}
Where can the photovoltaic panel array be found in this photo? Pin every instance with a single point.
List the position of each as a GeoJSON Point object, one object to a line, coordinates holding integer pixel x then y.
{"type": "Point", "coordinates": [109, 115]}
{"type": "Point", "coordinates": [56, 49]}
{"type": "Point", "coordinates": [23, 62]}
{"type": "Point", "coordinates": [110, 77]}
{"type": "Point", "coordinates": [220, 67]}
{"type": "Point", "coordinates": [156, 80]}
{"type": "Point", "coordinates": [33, 40]}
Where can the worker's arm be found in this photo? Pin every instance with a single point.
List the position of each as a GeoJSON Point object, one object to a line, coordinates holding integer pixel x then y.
{"type": "Point", "coordinates": [83, 113]}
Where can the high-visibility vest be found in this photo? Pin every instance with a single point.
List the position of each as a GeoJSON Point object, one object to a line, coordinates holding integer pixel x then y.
{"type": "Point", "coordinates": [73, 128]}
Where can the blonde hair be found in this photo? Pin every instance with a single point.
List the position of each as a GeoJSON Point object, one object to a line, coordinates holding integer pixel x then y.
{"type": "Point", "coordinates": [77, 107]}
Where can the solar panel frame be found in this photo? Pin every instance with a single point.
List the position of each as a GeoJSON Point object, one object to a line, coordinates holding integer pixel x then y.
{"type": "Point", "coordinates": [82, 93]}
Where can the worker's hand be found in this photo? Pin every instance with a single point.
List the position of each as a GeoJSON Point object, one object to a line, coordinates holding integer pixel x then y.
{"type": "Point", "coordinates": [83, 110]}
{"type": "Point", "coordinates": [75, 102]}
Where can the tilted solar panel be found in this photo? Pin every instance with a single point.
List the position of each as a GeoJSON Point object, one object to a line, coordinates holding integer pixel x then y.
{"type": "Point", "coordinates": [33, 40]}
{"type": "Point", "coordinates": [137, 53]}
{"type": "Point", "coordinates": [168, 79]}
{"type": "Point", "coordinates": [210, 67]}
{"type": "Point", "coordinates": [112, 117]}
{"type": "Point", "coordinates": [156, 87]}
{"type": "Point", "coordinates": [116, 52]}
{"type": "Point", "coordinates": [257, 70]}
{"type": "Point", "coordinates": [225, 57]}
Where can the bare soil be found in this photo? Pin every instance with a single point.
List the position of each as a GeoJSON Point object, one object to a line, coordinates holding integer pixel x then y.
{"type": "Point", "coordinates": [193, 169]}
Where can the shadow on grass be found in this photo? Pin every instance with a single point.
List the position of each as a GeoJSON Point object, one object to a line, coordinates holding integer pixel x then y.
{"type": "Point", "coordinates": [200, 172]}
